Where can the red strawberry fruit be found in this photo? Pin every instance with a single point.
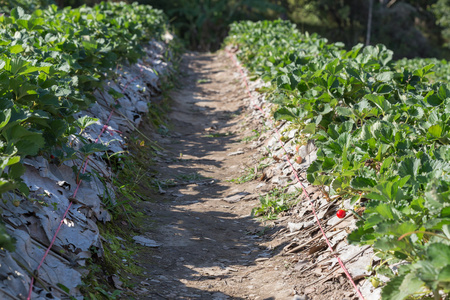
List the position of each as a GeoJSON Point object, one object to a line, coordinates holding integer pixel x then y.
{"type": "Point", "coordinates": [341, 213]}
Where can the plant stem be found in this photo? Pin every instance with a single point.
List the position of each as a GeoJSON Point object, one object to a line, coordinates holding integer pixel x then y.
{"type": "Point", "coordinates": [436, 294]}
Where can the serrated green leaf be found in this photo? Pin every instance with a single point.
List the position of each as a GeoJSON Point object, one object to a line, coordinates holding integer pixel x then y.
{"type": "Point", "coordinates": [385, 166]}
{"type": "Point", "coordinates": [116, 95]}
{"type": "Point", "coordinates": [398, 288]}
{"type": "Point", "coordinates": [443, 92]}
{"type": "Point", "coordinates": [16, 171]}
{"type": "Point", "coordinates": [6, 186]}
{"type": "Point", "coordinates": [439, 254]}
{"type": "Point", "coordinates": [85, 121]}
{"type": "Point", "coordinates": [422, 72]}
{"type": "Point", "coordinates": [16, 49]}
{"type": "Point", "coordinates": [380, 101]}
{"type": "Point", "coordinates": [444, 275]}
{"type": "Point", "coordinates": [385, 76]}
{"type": "Point", "coordinates": [435, 131]}
{"type": "Point", "coordinates": [17, 12]}
{"type": "Point", "coordinates": [91, 148]}
{"type": "Point", "coordinates": [5, 116]}
{"type": "Point", "coordinates": [362, 183]}
{"type": "Point", "coordinates": [13, 160]}
{"type": "Point", "coordinates": [6, 241]}
{"type": "Point", "coordinates": [385, 211]}
{"type": "Point", "coordinates": [26, 142]}
{"type": "Point", "coordinates": [344, 111]}
{"type": "Point", "coordinates": [310, 128]}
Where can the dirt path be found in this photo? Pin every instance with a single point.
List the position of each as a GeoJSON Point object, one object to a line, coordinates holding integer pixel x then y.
{"type": "Point", "coordinates": [210, 247]}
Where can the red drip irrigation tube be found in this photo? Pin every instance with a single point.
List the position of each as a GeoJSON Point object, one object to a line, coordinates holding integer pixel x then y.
{"type": "Point", "coordinates": [244, 78]}
{"type": "Point", "coordinates": [36, 273]}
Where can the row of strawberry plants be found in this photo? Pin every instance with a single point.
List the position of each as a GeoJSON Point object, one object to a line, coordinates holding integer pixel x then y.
{"type": "Point", "coordinates": [51, 62]}
{"type": "Point", "coordinates": [383, 138]}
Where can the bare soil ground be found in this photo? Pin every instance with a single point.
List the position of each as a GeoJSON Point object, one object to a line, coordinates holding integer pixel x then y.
{"type": "Point", "coordinates": [211, 248]}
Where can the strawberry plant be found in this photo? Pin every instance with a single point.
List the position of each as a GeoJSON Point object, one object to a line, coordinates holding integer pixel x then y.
{"type": "Point", "coordinates": [382, 132]}
{"type": "Point", "coordinates": [274, 203]}
{"type": "Point", "coordinates": [51, 63]}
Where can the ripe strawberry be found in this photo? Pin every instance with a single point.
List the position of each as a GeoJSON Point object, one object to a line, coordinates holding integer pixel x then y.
{"type": "Point", "coordinates": [341, 213]}
{"type": "Point", "coordinates": [298, 159]}
{"type": "Point", "coordinates": [52, 156]}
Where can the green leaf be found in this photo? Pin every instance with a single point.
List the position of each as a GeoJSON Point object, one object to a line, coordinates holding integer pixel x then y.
{"type": "Point", "coordinates": [384, 89]}
{"type": "Point", "coordinates": [386, 164]}
{"type": "Point", "coordinates": [13, 160]}
{"type": "Point", "coordinates": [26, 142]}
{"type": "Point", "coordinates": [17, 12]}
{"type": "Point", "coordinates": [85, 121]}
{"type": "Point", "coordinates": [409, 166]}
{"type": "Point", "coordinates": [355, 199]}
{"type": "Point", "coordinates": [116, 95]}
{"type": "Point", "coordinates": [439, 254]}
{"type": "Point", "coordinates": [310, 128]}
{"type": "Point", "coordinates": [422, 72]}
{"type": "Point", "coordinates": [385, 76]}
{"type": "Point", "coordinates": [385, 211]}
{"type": "Point", "coordinates": [435, 131]}
{"type": "Point", "coordinates": [6, 186]}
{"type": "Point", "coordinates": [91, 148]}
{"type": "Point", "coordinates": [443, 92]}
{"type": "Point", "coordinates": [283, 82]}
{"type": "Point", "coordinates": [398, 288]}
{"type": "Point", "coordinates": [362, 183]}
{"type": "Point", "coordinates": [432, 99]}
{"type": "Point", "coordinates": [373, 220]}
{"type": "Point", "coordinates": [5, 116]}
{"type": "Point", "coordinates": [344, 111]}
{"type": "Point", "coordinates": [16, 49]}
{"type": "Point", "coordinates": [444, 275]}
{"type": "Point", "coordinates": [6, 241]}
{"type": "Point", "coordinates": [380, 101]}
{"type": "Point", "coordinates": [16, 171]}
{"type": "Point", "coordinates": [89, 45]}
{"type": "Point", "coordinates": [405, 227]}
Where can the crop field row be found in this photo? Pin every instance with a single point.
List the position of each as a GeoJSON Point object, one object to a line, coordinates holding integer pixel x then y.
{"type": "Point", "coordinates": [51, 63]}
{"type": "Point", "coordinates": [382, 130]}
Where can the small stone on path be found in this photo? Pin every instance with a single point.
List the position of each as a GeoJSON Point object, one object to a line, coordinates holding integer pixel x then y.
{"type": "Point", "coordinates": [236, 153]}
{"type": "Point", "coordinates": [145, 241]}
{"type": "Point", "coordinates": [236, 197]}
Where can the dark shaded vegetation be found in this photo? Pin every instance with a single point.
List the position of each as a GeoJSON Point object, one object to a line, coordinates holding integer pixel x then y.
{"type": "Point", "coordinates": [203, 24]}
{"type": "Point", "coordinates": [411, 28]}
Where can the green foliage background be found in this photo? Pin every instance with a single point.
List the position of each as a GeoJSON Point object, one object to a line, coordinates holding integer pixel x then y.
{"type": "Point", "coordinates": [411, 28]}
{"type": "Point", "coordinates": [203, 24]}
